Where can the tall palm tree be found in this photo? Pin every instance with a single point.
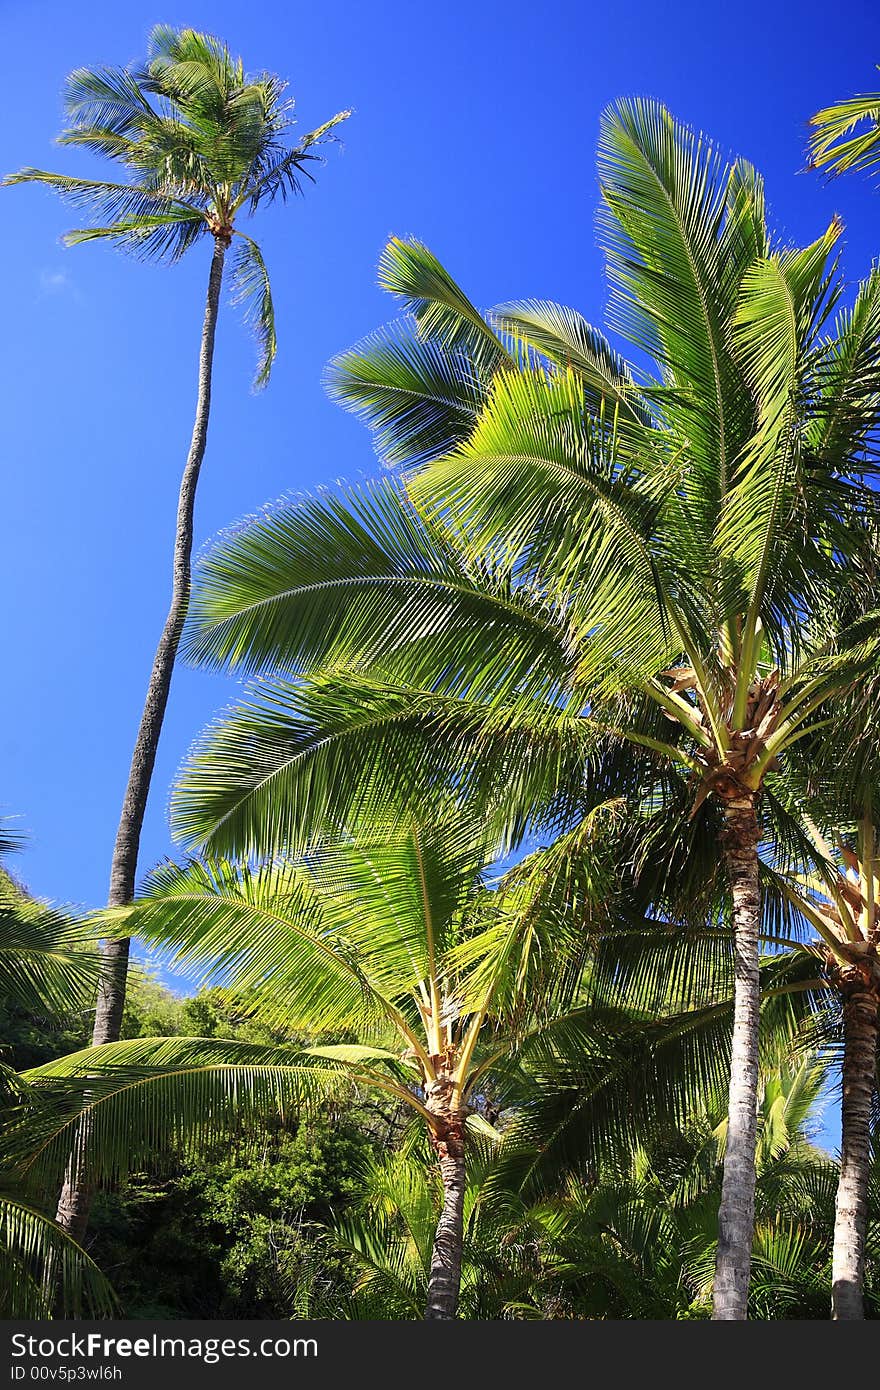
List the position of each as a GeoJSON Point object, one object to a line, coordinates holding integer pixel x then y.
{"type": "Point", "coordinates": [582, 553]}
{"type": "Point", "coordinates": [201, 144]}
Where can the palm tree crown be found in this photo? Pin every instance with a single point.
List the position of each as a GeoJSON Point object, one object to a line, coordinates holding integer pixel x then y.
{"type": "Point", "coordinates": [202, 143]}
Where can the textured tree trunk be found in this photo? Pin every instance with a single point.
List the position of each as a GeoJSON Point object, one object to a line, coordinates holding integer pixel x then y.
{"type": "Point", "coordinates": [75, 1200]}
{"type": "Point", "coordinates": [448, 1140]}
{"type": "Point", "coordinates": [851, 1208]}
{"type": "Point", "coordinates": [736, 1216]}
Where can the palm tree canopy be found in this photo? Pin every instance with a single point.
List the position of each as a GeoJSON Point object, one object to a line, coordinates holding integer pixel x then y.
{"type": "Point", "coordinates": [389, 940]}
{"type": "Point", "coordinates": [201, 143]}
{"type": "Point", "coordinates": [655, 548]}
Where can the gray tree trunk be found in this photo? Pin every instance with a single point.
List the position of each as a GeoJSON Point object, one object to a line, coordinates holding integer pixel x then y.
{"type": "Point", "coordinates": [448, 1139]}
{"type": "Point", "coordinates": [851, 1207]}
{"type": "Point", "coordinates": [736, 1216]}
{"type": "Point", "coordinates": [75, 1200]}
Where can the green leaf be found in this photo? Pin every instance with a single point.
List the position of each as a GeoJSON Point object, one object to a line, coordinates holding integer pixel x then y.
{"type": "Point", "coordinates": [251, 287]}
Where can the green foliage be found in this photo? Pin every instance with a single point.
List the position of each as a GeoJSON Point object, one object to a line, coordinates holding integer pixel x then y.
{"type": "Point", "coordinates": [48, 963]}
{"type": "Point", "coordinates": [236, 1235]}
{"type": "Point", "coordinates": [631, 1239]}
{"type": "Point", "coordinates": [846, 136]}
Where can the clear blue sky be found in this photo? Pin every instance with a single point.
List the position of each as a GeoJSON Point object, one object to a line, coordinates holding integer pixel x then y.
{"type": "Point", "coordinates": [474, 129]}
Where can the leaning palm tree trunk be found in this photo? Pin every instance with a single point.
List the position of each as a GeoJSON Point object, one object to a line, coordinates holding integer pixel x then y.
{"type": "Point", "coordinates": [74, 1203]}
{"type": "Point", "coordinates": [851, 1209]}
{"type": "Point", "coordinates": [737, 1211]}
{"type": "Point", "coordinates": [444, 1280]}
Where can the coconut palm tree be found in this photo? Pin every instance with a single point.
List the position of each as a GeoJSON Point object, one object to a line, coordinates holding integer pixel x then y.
{"type": "Point", "coordinates": [201, 144]}
{"type": "Point", "coordinates": [834, 883]}
{"type": "Point", "coordinates": [392, 940]}
{"type": "Point", "coordinates": [631, 1237]}
{"type": "Point", "coordinates": [582, 553]}
{"type": "Point", "coordinates": [838, 898]}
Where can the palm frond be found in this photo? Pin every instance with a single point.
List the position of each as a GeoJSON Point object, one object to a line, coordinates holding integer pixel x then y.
{"type": "Point", "coordinates": [48, 960]}
{"type": "Point", "coordinates": [251, 288]}
{"type": "Point", "coordinates": [845, 136]}
{"type": "Point", "coordinates": [565, 338]}
{"type": "Point", "coordinates": [359, 578]}
{"type": "Point", "coordinates": [442, 311]}
{"type": "Point", "coordinates": [297, 763]}
{"type": "Point", "coordinates": [418, 397]}
{"type": "Point", "coordinates": [140, 1103]}
{"type": "Point", "coordinates": [41, 1267]}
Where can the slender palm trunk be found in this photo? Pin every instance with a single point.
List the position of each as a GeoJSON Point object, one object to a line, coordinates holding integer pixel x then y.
{"type": "Point", "coordinates": [851, 1208]}
{"type": "Point", "coordinates": [448, 1139]}
{"type": "Point", "coordinates": [75, 1200]}
{"type": "Point", "coordinates": [736, 1216]}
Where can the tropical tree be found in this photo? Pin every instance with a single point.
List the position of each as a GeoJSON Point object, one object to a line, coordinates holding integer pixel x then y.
{"type": "Point", "coordinates": [583, 553]}
{"type": "Point", "coordinates": [834, 883]}
{"type": "Point", "coordinates": [630, 1237]}
{"type": "Point", "coordinates": [201, 144]}
{"type": "Point", "coordinates": [639, 1239]}
{"type": "Point", "coordinates": [390, 940]}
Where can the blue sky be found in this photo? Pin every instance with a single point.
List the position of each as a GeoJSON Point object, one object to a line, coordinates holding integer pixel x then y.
{"type": "Point", "coordinates": [474, 129]}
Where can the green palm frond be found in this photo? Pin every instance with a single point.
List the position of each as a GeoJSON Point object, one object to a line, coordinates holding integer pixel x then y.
{"type": "Point", "coordinates": [419, 384]}
{"type": "Point", "coordinates": [789, 1100]}
{"type": "Point", "coordinates": [399, 895]}
{"type": "Point", "coordinates": [48, 960]}
{"type": "Point", "coordinates": [250, 281]}
{"type": "Point", "coordinates": [12, 839]}
{"type": "Point", "coordinates": [137, 1104]}
{"type": "Point", "coordinates": [565, 338]}
{"type": "Point", "coordinates": [665, 192]}
{"type": "Point", "coordinates": [848, 406]}
{"type": "Point", "coordinates": [611, 1073]}
{"type": "Point", "coordinates": [280, 174]}
{"type": "Point", "coordinates": [340, 943]}
{"type": "Point", "coordinates": [409, 271]}
{"type": "Point", "coordinates": [773, 330]}
{"type": "Point", "coordinates": [418, 397]}
{"type": "Point", "coordinates": [297, 763]}
{"type": "Point", "coordinates": [846, 136]}
{"type": "Point", "coordinates": [145, 223]}
{"type": "Point", "coordinates": [249, 929]}
{"type": "Point", "coordinates": [540, 484]}
{"type": "Point", "coordinates": [549, 913]}
{"type": "Point", "coordinates": [355, 578]}
{"type": "Point", "coordinates": [30, 1244]}
{"type": "Point", "coordinates": [120, 202]}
